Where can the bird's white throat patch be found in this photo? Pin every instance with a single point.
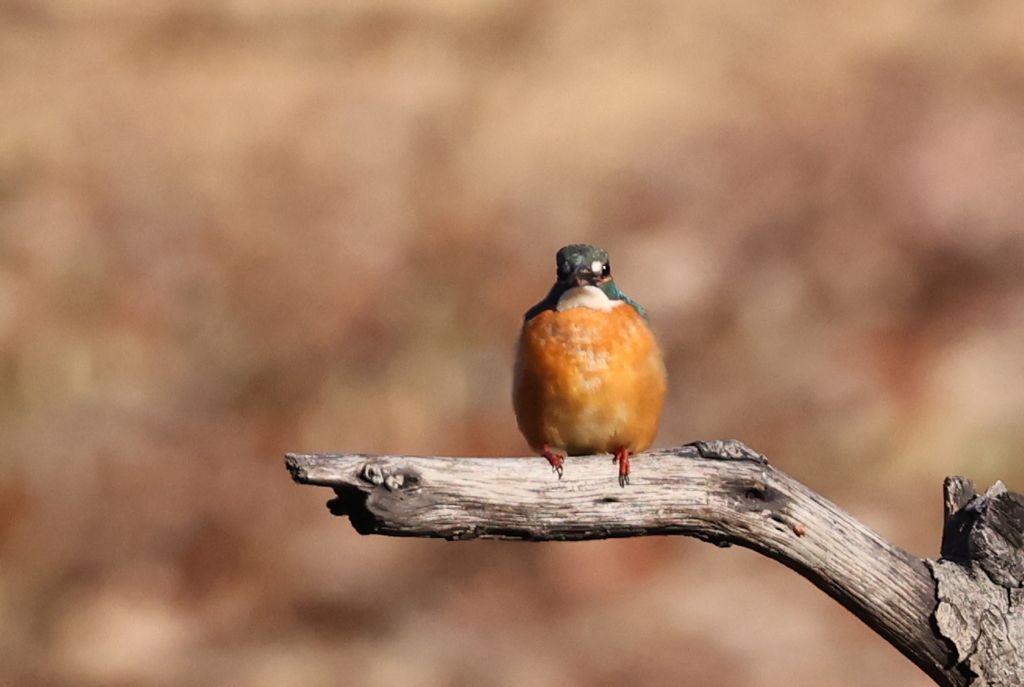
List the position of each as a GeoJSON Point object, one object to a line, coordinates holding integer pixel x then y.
{"type": "Point", "coordinates": [586, 297]}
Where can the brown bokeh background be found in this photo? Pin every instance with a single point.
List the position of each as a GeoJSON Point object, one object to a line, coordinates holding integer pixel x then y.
{"type": "Point", "coordinates": [231, 230]}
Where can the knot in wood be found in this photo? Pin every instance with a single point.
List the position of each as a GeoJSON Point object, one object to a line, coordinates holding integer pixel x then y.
{"type": "Point", "coordinates": [756, 492]}
{"type": "Point", "coordinates": [727, 449]}
{"type": "Point", "coordinates": [755, 495]}
{"type": "Point", "coordinates": [380, 474]}
{"type": "Point", "coordinates": [373, 473]}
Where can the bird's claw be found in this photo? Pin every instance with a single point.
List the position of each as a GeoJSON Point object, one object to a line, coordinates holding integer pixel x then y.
{"type": "Point", "coordinates": [622, 458]}
{"type": "Point", "coordinates": [555, 460]}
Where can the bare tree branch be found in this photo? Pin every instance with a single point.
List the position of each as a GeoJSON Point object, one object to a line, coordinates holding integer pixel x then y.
{"type": "Point", "coordinates": [719, 491]}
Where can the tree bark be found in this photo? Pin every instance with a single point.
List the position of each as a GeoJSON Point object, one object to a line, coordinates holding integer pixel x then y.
{"type": "Point", "coordinates": [724, 493]}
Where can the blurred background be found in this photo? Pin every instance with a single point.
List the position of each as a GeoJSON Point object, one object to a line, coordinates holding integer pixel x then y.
{"type": "Point", "coordinates": [235, 229]}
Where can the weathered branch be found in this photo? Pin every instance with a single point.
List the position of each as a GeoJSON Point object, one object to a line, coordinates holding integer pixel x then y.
{"type": "Point", "coordinates": [721, 492]}
{"type": "Point", "coordinates": [979, 579]}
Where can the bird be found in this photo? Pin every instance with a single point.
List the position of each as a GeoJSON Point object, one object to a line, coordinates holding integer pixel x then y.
{"type": "Point", "coordinates": [589, 377]}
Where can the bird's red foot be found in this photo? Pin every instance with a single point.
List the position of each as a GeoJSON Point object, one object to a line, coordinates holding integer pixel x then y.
{"type": "Point", "coordinates": [553, 458]}
{"type": "Point", "coordinates": [622, 458]}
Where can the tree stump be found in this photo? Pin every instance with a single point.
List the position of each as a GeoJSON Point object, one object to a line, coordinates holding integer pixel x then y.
{"type": "Point", "coordinates": [959, 619]}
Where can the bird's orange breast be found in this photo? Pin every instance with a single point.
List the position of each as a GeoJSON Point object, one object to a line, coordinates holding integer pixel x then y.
{"type": "Point", "coordinates": [588, 381]}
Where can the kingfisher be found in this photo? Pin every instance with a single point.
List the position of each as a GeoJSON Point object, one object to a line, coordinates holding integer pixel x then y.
{"type": "Point", "coordinates": [589, 377]}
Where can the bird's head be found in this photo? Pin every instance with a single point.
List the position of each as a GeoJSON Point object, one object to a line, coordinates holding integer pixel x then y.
{"type": "Point", "coordinates": [584, 279]}
{"type": "Point", "coordinates": [582, 265]}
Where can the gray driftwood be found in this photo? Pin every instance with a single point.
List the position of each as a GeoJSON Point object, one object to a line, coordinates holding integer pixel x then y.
{"type": "Point", "coordinates": [959, 619]}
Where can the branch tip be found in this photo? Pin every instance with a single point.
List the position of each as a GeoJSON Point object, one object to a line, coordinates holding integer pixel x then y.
{"type": "Point", "coordinates": [295, 468]}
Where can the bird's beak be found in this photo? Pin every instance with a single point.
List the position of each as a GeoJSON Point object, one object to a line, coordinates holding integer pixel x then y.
{"type": "Point", "coordinates": [584, 276]}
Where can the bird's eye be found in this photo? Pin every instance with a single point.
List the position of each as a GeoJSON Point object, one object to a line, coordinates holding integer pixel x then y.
{"type": "Point", "coordinates": [606, 270]}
